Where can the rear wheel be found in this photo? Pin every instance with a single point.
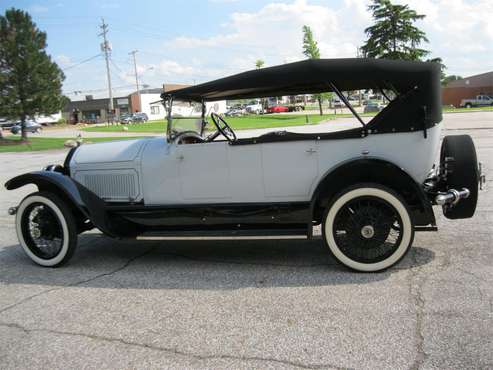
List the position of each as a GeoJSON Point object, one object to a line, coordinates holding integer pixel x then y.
{"type": "Point", "coordinates": [46, 229]}
{"type": "Point", "coordinates": [368, 228]}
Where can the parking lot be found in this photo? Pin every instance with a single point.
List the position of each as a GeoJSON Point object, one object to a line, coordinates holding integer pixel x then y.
{"type": "Point", "coordinates": [251, 304]}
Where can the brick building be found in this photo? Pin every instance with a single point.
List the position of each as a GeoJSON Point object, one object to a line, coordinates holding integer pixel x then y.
{"type": "Point", "coordinates": [467, 88]}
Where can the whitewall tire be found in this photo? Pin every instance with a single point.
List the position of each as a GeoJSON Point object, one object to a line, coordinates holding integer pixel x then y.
{"type": "Point", "coordinates": [368, 228]}
{"type": "Point", "coordinates": [46, 229]}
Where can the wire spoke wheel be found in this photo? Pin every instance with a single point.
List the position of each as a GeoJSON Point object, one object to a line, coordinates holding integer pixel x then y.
{"type": "Point", "coordinates": [43, 230]}
{"type": "Point", "coordinates": [46, 229]}
{"type": "Point", "coordinates": [368, 227]}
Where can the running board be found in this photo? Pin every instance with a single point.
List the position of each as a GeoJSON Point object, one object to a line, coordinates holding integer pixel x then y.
{"type": "Point", "coordinates": [225, 234]}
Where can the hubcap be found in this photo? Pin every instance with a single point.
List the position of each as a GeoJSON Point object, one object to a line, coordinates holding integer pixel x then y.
{"type": "Point", "coordinates": [367, 231]}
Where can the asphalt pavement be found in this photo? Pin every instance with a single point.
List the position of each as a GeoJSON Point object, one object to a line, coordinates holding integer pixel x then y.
{"type": "Point", "coordinates": [250, 304]}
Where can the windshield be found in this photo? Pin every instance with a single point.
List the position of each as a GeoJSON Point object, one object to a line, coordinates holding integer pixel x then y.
{"type": "Point", "coordinates": [185, 116]}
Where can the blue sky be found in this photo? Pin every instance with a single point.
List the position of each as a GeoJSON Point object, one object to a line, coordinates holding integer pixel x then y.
{"type": "Point", "coordinates": [194, 41]}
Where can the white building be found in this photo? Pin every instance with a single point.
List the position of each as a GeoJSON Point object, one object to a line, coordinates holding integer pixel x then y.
{"type": "Point", "coordinates": [150, 104]}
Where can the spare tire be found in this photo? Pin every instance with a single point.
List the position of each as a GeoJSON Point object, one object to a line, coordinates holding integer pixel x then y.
{"type": "Point", "coordinates": [460, 164]}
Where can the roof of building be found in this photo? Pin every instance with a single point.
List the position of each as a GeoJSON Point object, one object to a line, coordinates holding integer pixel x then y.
{"type": "Point", "coordinates": [159, 90]}
{"type": "Point", "coordinates": [91, 104]}
{"type": "Point", "coordinates": [481, 80]}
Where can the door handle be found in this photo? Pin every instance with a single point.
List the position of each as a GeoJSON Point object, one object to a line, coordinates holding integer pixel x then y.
{"type": "Point", "coordinates": [311, 151]}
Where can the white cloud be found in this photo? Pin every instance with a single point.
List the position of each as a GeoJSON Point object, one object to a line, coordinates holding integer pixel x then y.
{"type": "Point", "coordinates": [457, 29]}
{"type": "Point", "coordinates": [460, 32]}
{"type": "Point", "coordinates": [172, 68]}
{"type": "Point", "coordinates": [275, 32]}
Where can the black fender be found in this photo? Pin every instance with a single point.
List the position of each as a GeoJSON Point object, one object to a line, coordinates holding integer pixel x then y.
{"type": "Point", "coordinates": [79, 197]}
{"type": "Point", "coordinates": [378, 171]}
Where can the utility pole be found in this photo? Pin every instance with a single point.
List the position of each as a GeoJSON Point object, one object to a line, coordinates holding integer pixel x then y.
{"type": "Point", "coordinates": [136, 79]}
{"type": "Point", "coordinates": [106, 48]}
{"type": "Point", "coordinates": [358, 55]}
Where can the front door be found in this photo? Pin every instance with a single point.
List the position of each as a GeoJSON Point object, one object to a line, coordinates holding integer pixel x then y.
{"type": "Point", "coordinates": [204, 172]}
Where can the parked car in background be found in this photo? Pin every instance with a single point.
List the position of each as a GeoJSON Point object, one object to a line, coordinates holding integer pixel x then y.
{"type": "Point", "coordinates": [277, 109]}
{"type": "Point", "coordinates": [140, 117]}
{"type": "Point", "coordinates": [336, 103]}
{"type": "Point", "coordinates": [296, 108]}
{"type": "Point", "coordinates": [6, 123]}
{"type": "Point", "coordinates": [372, 106]}
{"type": "Point", "coordinates": [255, 108]}
{"type": "Point", "coordinates": [126, 118]}
{"type": "Point", "coordinates": [479, 101]}
{"type": "Point", "coordinates": [31, 126]}
{"type": "Point", "coordinates": [235, 112]}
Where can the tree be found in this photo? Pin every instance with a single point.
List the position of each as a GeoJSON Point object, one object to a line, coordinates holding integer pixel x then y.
{"type": "Point", "coordinates": [311, 51]}
{"type": "Point", "coordinates": [394, 36]}
{"type": "Point", "coordinates": [451, 78]}
{"type": "Point", "coordinates": [259, 63]}
{"type": "Point", "coordinates": [30, 81]}
{"type": "Point", "coordinates": [443, 67]}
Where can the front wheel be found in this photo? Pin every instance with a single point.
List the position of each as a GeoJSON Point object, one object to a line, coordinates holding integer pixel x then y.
{"type": "Point", "coordinates": [368, 228]}
{"type": "Point", "coordinates": [46, 229]}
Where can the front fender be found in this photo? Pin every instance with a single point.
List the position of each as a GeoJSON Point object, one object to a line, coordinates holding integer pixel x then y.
{"type": "Point", "coordinates": [88, 203]}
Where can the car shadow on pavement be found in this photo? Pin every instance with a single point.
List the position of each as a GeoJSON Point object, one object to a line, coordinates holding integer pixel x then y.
{"type": "Point", "coordinates": [214, 265]}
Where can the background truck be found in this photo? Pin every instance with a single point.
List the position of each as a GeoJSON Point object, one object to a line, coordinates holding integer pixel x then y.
{"type": "Point", "coordinates": [479, 101]}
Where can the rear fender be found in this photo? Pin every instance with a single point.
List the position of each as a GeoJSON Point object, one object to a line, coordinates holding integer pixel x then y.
{"type": "Point", "coordinates": [373, 170]}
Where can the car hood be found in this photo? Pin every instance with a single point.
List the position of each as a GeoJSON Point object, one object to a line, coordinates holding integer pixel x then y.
{"type": "Point", "coordinates": [114, 151]}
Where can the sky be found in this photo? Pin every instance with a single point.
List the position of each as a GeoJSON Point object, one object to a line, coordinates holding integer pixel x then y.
{"type": "Point", "coordinates": [193, 41]}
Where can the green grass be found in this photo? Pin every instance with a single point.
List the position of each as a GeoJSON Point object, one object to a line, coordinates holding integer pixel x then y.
{"type": "Point", "coordinates": [237, 123]}
{"type": "Point", "coordinates": [35, 144]}
{"type": "Point", "coordinates": [453, 109]}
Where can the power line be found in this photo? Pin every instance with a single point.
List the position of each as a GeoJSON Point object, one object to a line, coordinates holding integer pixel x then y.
{"type": "Point", "coordinates": [81, 62]}
{"type": "Point", "coordinates": [79, 92]}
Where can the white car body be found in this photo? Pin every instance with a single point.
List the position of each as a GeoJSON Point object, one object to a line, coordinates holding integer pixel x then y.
{"type": "Point", "coordinates": [162, 173]}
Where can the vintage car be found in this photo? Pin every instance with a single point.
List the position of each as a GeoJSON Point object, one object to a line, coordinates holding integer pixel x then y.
{"type": "Point", "coordinates": [370, 188]}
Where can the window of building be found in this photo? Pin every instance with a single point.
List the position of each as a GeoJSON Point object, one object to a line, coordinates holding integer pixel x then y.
{"type": "Point", "coordinates": [155, 110]}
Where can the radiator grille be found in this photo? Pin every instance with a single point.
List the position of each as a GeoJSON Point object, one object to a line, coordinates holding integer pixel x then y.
{"type": "Point", "coordinates": [112, 186]}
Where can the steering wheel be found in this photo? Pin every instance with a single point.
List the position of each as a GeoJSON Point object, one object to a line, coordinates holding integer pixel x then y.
{"type": "Point", "coordinates": [223, 127]}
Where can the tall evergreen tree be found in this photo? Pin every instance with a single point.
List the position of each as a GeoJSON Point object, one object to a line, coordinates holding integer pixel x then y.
{"type": "Point", "coordinates": [30, 81]}
{"type": "Point", "coordinates": [310, 46]}
{"type": "Point", "coordinates": [394, 36]}
{"type": "Point", "coordinates": [311, 51]}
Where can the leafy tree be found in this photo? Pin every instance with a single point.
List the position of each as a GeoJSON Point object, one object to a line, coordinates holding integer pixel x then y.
{"type": "Point", "coordinates": [451, 78]}
{"type": "Point", "coordinates": [310, 46]}
{"type": "Point", "coordinates": [259, 63]}
{"type": "Point", "coordinates": [443, 67]}
{"type": "Point", "coordinates": [394, 36]}
{"type": "Point", "coordinates": [311, 51]}
{"type": "Point", "coordinates": [30, 81]}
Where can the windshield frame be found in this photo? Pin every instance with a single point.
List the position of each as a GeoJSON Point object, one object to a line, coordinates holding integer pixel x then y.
{"type": "Point", "coordinates": [168, 106]}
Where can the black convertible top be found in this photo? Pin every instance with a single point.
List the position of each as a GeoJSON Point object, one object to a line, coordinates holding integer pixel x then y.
{"type": "Point", "coordinates": [316, 75]}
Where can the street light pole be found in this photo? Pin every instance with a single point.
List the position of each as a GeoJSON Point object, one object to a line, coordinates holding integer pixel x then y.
{"type": "Point", "coordinates": [136, 79]}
